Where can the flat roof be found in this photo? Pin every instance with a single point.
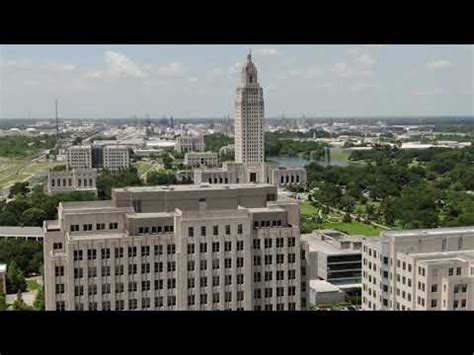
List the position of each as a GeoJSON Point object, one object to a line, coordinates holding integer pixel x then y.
{"type": "Point", "coordinates": [325, 247]}
{"type": "Point", "coordinates": [6, 231]}
{"type": "Point", "coordinates": [194, 187]}
{"type": "Point", "coordinates": [87, 204]}
{"type": "Point", "coordinates": [429, 232]}
{"type": "Point", "coordinates": [323, 286]}
{"type": "Point", "coordinates": [3, 267]}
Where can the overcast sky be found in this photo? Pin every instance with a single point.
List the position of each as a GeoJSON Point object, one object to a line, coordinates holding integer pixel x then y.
{"type": "Point", "coordinates": [200, 81]}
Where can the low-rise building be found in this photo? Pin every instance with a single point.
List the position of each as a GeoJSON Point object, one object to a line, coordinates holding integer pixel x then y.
{"type": "Point", "coordinates": [188, 143]}
{"type": "Point", "coordinates": [24, 233]}
{"type": "Point", "coordinates": [322, 292]}
{"type": "Point", "coordinates": [204, 159]}
{"type": "Point", "coordinates": [79, 157]}
{"type": "Point", "coordinates": [427, 269]}
{"type": "Point", "coordinates": [72, 180]}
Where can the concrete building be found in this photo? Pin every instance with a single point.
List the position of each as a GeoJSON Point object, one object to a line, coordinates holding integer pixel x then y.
{"type": "Point", "coordinates": [188, 143]}
{"type": "Point", "coordinates": [249, 117]}
{"type": "Point", "coordinates": [72, 180]}
{"type": "Point", "coordinates": [116, 157]}
{"type": "Point", "coordinates": [26, 233]}
{"type": "Point", "coordinates": [228, 149]}
{"type": "Point", "coordinates": [428, 269]}
{"type": "Point", "coordinates": [183, 247]}
{"type": "Point", "coordinates": [335, 257]}
{"type": "Point", "coordinates": [197, 159]}
{"type": "Point", "coordinates": [3, 278]}
{"type": "Point", "coordinates": [79, 157]}
{"type": "Point", "coordinates": [322, 292]}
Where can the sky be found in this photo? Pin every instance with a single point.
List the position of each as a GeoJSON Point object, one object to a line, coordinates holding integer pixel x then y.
{"type": "Point", "coordinates": [200, 80]}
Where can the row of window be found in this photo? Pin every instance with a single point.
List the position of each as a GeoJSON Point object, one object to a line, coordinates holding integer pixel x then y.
{"type": "Point", "coordinates": [215, 247]}
{"type": "Point", "coordinates": [119, 252]}
{"type": "Point", "coordinates": [268, 242]}
{"type": "Point", "coordinates": [280, 307]}
{"type": "Point", "coordinates": [268, 259]}
{"type": "Point", "coordinates": [215, 281]}
{"type": "Point", "coordinates": [268, 275]}
{"type": "Point", "coordinates": [88, 227]}
{"type": "Point", "coordinates": [268, 292]}
{"type": "Point", "coordinates": [156, 229]}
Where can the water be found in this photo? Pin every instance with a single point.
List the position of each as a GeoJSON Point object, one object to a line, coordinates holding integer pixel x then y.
{"type": "Point", "coordinates": [297, 162]}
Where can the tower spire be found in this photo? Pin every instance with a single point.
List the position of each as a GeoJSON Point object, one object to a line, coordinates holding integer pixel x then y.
{"type": "Point", "coordinates": [249, 56]}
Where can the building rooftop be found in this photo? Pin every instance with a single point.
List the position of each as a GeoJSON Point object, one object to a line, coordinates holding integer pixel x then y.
{"type": "Point", "coordinates": [3, 267]}
{"type": "Point", "coordinates": [323, 286]}
{"type": "Point", "coordinates": [428, 232]}
{"type": "Point", "coordinates": [207, 187]}
{"type": "Point", "coordinates": [75, 205]}
{"type": "Point", "coordinates": [317, 245]}
{"type": "Point", "coordinates": [21, 231]}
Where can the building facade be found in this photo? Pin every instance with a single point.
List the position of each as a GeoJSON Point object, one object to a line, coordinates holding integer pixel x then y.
{"type": "Point", "coordinates": [249, 117]}
{"type": "Point", "coordinates": [183, 247]}
{"type": "Point", "coordinates": [431, 269]}
{"type": "Point", "coordinates": [79, 157]}
{"type": "Point", "coordinates": [116, 157]}
{"type": "Point", "coordinates": [3, 278]}
{"type": "Point", "coordinates": [197, 159]}
{"type": "Point", "coordinates": [72, 180]}
{"type": "Point", "coordinates": [188, 143]}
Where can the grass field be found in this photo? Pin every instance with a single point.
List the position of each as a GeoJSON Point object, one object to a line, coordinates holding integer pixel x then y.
{"type": "Point", "coordinates": [307, 209]}
{"type": "Point", "coordinates": [354, 228]}
{"type": "Point", "coordinates": [32, 285]}
{"type": "Point", "coordinates": [342, 155]}
{"type": "Point", "coordinates": [144, 167]}
{"type": "Point", "coordinates": [15, 170]}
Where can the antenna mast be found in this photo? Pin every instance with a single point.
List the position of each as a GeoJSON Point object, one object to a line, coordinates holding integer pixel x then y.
{"type": "Point", "coordinates": [57, 127]}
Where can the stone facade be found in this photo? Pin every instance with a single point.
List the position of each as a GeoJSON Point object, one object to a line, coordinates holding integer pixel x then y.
{"type": "Point", "coordinates": [186, 143]}
{"type": "Point", "coordinates": [72, 180]}
{"type": "Point", "coordinates": [249, 117]}
{"type": "Point", "coordinates": [183, 247]}
{"type": "Point", "coordinates": [196, 159]}
{"type": "Point", "coordinates": [430, 269]}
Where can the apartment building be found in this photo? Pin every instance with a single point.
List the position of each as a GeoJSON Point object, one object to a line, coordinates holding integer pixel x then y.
{"type": "Point", "coordinates": [430, 269]}
{"type": "Point", "coordinates": [198, 159]}
{"type": "Point", "coordinates": [188, 143]}
{"type": "Point", "coordinates": [116, 157]}
{"type": "Point", "coordinates": [79, 157]}
{"type": "Point", "coordinates": [72, 180]}
{"type": "Point", "coordinates": [183, 247]}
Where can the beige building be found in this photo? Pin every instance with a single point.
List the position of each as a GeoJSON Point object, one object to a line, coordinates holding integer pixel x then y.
{"type": "Point", "coordinates": [430, 269]}
{"type": "Point", "coordinates": [228, 149]}
{"type": "Point", "coordinates": [197, 159]}
{"type": "Point", "coordinates": [79, 157]}
{"type": "Point", "coordinates": [3, 278]}
{"type": "Point", "coordinates": [116, 157]}
{"type": "Point", "coordinates": [249, 117]}
{"type": "Point", "coordinates": [72, 180]}
{"type": "Point", "coordinates": [188, 143]}
{"type": "Point", "coordinates": [183, 247]}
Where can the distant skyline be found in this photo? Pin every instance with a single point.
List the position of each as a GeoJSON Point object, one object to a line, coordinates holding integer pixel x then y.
{"type": "Point", "coordinates": [200, 80]}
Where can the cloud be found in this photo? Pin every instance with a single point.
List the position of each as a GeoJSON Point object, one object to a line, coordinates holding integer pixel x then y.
{"type": "Point", "coordinates": [428, 92]}
{"type": "Point", "coordinates": [17, 64]}
{"type": "Point", "coordinates": [308, 73]}
{"type": "Point", "coordinates": [235, 68]}
{"type": "Point", "coordinates": [193, 79]}
{"type": "Point", "coordinates": [171, 70]}
{"type": "Point", "coordinates": [267, 52]}
{"type": "Point", "coordinates": [343, 70]}
{"type": "Point", "coordinates": [375, 46]}
{"type": "Point", "coordinates": [118, 66]}
{"type": "Point", "coordinates": [361, 86]}
{"type": "Point", "coordinates": [31, 83]}
{"type": "Point", "coordinates": [438, 64]}
{"type": "Point", "coordinates": [365, 59]}
{"type": "Point", "coordinates": [56, 67]}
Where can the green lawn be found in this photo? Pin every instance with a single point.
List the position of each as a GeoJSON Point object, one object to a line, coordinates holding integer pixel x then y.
{"type": "Point", "coordinates": [342, 155]}
{"type": "Point", "coordinates": [32, 285]}
{"type": "Point", "coordinates": [307, 209]}
{"type": "Point", "coordinates": [354, 228]}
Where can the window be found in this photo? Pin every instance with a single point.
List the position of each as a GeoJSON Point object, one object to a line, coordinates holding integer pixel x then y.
{"type": "Point", "coordinates": [203, 231]}
{"type": "Point", "coordinates": [132, 269]}
{"type": "Point", "coordinates": [87, 227]}
{"type": "Point", "coordinates": [256, 260]}
{"type": "Point", "coordinates": [268, 275]}
{"type": "Point", "coordinates": [92, 290]}
{"type": "Point", "coordinates": [228, 296]}
{"type": "Point", "coordinates": [291, 242]}
{"type": "Point", "coordinates": [158, 284]}
{"type": "Point", "coordinates": [203, 247]}
{"type": "Point", "coordinates": [458, 271]}
{"type": "Point", "coordinates": [190, 248]}
{"type": "Point", "coordinates": [215, 247]}
{"type": "Point", "coordinates": [215, 230]}
{"type": "Point", "coordinates": [268, 292]}
{"type": "Point", "coordinates": [105, 271]}
{"type": "Point", "coordinates": [240, 262]}
{"type": "Point", "coordinates": [280, 259]}
{"type": "Point", "coordinates": [119, 287]}
{"type": "Point", "coordinates": [291, 274]}
{"type": "Point", "coordinates": [267, 243]}
{"type": "Point", "coordinates": [268, 259]}
{"type": "Point", "coordinates": [158, 250]}
{"type": "Point", "coordinates": [59, 288]}
{"type": "Point", "coordinates": [291, 291]}
{"type": "Point", "coordinates": [451, 271]}
{"type": "Point", "coordinates": [191, 300]}
{"type": "Point", "coordinates": [228, 263]}
{"type": "Point", "coordinates": [291, 258]}
{"type": "Point", "coordinates": [280, 275]}
{"type": "Point", "coordinates": [256, 243]}
{"type": "Point", "coordinates": [105, 253]}
{"type": "Point", "coordinates": [239, 229]}
{"type": "Point", "coordinates": [463, 303]}
{"type": "Point", "coordinates": [79, 290]}
{"type": "Point", "coordinates": [215, 297]}
{"type": "Point", "coordinates": [227, 229]}
{"type": "Point", "coordinates": [434, 288]}
{"type": "Point", "coordinates": [171, 249]}
{"type": "Point", "coordinates": [215, 264]}
{"type": "Point", "coordinates": [145, 250]}
{"type": "Point", "coordinates": [171, 283]}
{"type": "Point", "coordinates": [257, 293]}
{"type": "Point", "coordinates": [105, 288]}
{"type": "Point", "coordinates": [60, 306]}
{"type": "Point", "coordinates": [159, 267]}
{"type": "Point", "coordinates": [113, 225]}
{"type": "Point", "coordinates": [100, 226]}
{"type": "Point", "coordinates": [118, 252]}
{"type": "Point", "coordinates": [227, 246]}
{"type": "Point", "coordinates": [91, 254]}
{"type": "Point", "coordinates": [133, 304]}
{"type": "Point", "coordinates": [190, 232]}
{"type": "Point", "coordinates": [171, 266]}
{"type": "Point", "coordinates": [59, 271]}
{"type": "Point", "coordinates": [132, 286]}
{"type": "Point", "coordinates": [240, 295]}
{"type": "Point", "coordinates": [279, 242]}
{"type": "Point", "coordinates": [132, 252]}
{"type": "Point", "coordinates": [240, 245]}
{"type": "Point", "coordinates": [215, 281]}
{"type": "Point", "coordinates": [92, 272]}
{"type": "Point", "coordinates": [77, 255]}
{"type": "Point", "coordinates": [257, 277]}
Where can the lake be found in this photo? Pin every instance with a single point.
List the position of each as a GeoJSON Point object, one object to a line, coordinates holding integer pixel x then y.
{"type": "Point", "coordinates": [297, 162]}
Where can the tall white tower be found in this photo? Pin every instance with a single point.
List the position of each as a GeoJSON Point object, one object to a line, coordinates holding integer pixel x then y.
{"type": "Point", "coordinates": [249, 117]}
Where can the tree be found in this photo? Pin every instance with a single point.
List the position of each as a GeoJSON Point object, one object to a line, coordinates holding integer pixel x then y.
{"type": "Point", "coordinates": [19, 188]}
{"type": "Point", "coordinates": [33, 217]}
{"type": "Point", "coordinates": [19, 304]}
{"type": "Point", "coordinates": [3, 299]}
{"type": "Point", "coordinates": [160, 178]}
{"type": "Point", "coordinates": [39, 300]}
{"type": "Point", "coordinates": [15, 279]}
{"type": "Point", "coordinates": [347, 218]}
